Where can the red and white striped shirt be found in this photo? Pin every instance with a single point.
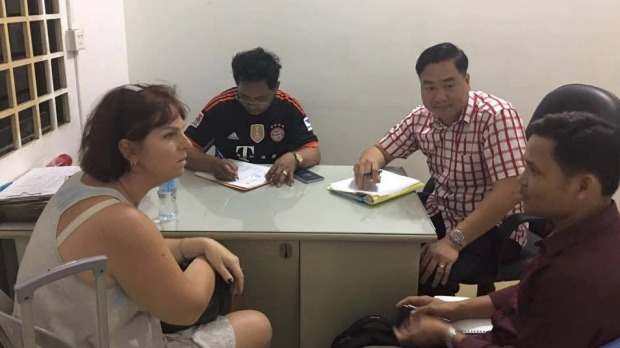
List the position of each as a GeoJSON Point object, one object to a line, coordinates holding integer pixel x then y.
{"type": "Point", "coordinates": [484, 145]}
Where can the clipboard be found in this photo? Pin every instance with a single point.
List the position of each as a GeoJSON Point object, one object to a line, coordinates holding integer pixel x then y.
{"type": "Point", "coordinates": [250, 176]}
{"type": "Point", "coordinates": [37, 184]}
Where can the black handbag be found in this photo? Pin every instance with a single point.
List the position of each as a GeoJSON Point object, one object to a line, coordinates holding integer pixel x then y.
{"type": "Point", "coordinates": [220, 304]}
{"type": "Point", "coordinates": [373, 330]}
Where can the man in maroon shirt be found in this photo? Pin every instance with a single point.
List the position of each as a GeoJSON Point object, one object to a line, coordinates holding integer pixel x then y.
{"type": "Point", "coordinates": [568, 296]}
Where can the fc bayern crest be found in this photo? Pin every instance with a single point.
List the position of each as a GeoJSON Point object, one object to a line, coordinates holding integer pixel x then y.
{"type": "Point", "coordinates": [277, 134]}
{"type": "Point", "coordinates": [257, 132]}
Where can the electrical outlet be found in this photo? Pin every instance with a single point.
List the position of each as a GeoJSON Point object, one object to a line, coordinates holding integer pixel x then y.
{"type": "Point", "coordinates": [75, 40]}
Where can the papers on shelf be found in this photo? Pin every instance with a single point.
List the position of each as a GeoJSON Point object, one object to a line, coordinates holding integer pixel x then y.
{"type": "Point", "coordinates": [391, 186]}
{"type": "Point", "coordinates": [468, 326]}
{"type": "Point", "coordinates": [250, 176]}
{"type": "Point", "coordinates": [37, 184]}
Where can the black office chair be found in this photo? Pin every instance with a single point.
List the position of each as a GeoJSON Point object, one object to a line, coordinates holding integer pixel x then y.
{"type": "Point", "coordinates": [573, 97]}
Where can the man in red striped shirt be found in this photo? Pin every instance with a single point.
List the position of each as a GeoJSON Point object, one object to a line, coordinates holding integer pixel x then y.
{"type": "Point", "coordinates": [254, 122]}
{"type": "Point", "coordinates": [474, 144]}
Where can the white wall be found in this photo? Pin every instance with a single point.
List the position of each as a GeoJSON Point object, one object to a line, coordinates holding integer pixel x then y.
{"type": "Point", "coordinates": [101, 66]}
{"type": "Point", "coordinates": [351, 63]}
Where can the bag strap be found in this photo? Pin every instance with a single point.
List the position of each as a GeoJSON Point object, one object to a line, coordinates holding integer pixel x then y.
{"type": "Point", "coordinates": [366, 321]}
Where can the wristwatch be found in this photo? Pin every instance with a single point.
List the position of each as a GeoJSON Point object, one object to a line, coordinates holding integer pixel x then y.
{"type": "Point", "coordinates": [457, 238]}
{"type": "Point", "coordinates": [298, 158]}
{"type": "Point", "coordinates": [450, 337]}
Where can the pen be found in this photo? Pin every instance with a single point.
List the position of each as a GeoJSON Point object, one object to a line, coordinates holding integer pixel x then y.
{"type": "Point", "coordinates": [219, 155]}
{"type": "Point", "coordinates": [412, 308]}
{"type": "Point", "coordinates": [369, 174]}
{"type": "Point", "coordinates": [230, 168]}
{"type": "Point", "coordinates": [5, 186]}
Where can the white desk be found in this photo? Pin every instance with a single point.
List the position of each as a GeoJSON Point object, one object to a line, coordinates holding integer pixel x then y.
{"type": "Point", "coordinates": [314, 261]}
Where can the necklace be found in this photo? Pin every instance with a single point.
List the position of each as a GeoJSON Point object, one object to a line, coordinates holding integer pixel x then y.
{"type": "Point", "coordinates": [125, 192]}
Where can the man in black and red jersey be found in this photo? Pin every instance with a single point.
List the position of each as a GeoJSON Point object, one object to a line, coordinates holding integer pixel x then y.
{"type": "Point", "coordinates": [254, 122]}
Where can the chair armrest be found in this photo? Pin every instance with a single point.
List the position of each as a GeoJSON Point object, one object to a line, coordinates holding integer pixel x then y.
{"type": "Point", "coordinates": [510, 223]}
{"type": "Point", "coordinates": [507, 227]}
{"type": "Point", "coordinates": [428, 189]}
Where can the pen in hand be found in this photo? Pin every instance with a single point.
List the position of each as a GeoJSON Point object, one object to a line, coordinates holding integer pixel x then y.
{"type": "Point", "coordinates": [232, 169]}
{"type": "Point", "coordinates": [412, 308]}
{"type": "Point", "coordinates": [370, 173]}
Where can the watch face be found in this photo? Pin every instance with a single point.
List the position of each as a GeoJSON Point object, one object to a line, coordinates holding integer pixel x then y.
{"type": "Point", "coordinates": [457, 237]}
{"type": "Point", "coordinates": [298, 158]}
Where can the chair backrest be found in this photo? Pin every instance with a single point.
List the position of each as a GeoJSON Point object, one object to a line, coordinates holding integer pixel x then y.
{"type": "Point", "coordinates": [6, 303]}
{"type": "Point", "coordinates": [580, 97]}
{"type": "Point", "coordinates": [22, 333]}
{"type": "Point", "coordinates": [613, 344]}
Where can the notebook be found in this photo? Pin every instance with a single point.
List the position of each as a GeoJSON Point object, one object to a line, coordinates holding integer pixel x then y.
{"type": "Point", "coordinates": [391, 186]}
{"type": "Point", "coordinates": [468, 326]}
{"type": "Point", "coordinates": [250, 176]}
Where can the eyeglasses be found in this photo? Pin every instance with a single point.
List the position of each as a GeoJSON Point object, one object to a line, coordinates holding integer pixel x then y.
{"type": "Point", "coordinates": [250, 101]}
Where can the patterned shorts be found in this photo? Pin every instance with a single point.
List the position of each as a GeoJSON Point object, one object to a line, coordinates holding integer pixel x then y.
{"type": "Point", "coordinates": [216, 334]}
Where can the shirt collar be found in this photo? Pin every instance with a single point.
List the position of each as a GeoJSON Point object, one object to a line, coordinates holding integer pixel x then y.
{"type": "Point", "coordinates": [581, 230]}
{"type": "Point", "coordinates": [465, 116]}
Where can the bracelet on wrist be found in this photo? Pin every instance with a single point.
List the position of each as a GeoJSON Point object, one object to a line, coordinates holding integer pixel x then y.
{"type": "Point", "coordinates": [184, 258]}
{"type": "Point", "coordinates": [450, 337]}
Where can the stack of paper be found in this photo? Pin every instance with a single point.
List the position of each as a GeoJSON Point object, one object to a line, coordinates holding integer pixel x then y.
{"type": "Point", "coordinates": [38, 184]}
{"type": "Point", "coordinates": [468, 326]}
{"type": "Point", "coordinates": [391, 186]}
{"type": "Point", "coordinates": [249, 176]}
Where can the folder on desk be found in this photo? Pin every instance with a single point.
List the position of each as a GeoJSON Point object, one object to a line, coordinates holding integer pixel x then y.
{"type": "Point", "coordinates": [391, 186]}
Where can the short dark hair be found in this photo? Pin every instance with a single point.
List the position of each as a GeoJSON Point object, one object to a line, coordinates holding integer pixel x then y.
{"type": "Point", "coordinates": [441, 53]}
{"type": "Point", "coordinates": [256, 65]}
{"type": "Point", "coordinates": [584, 143]}
{"type": "Point", "coordinates": [128, 112]}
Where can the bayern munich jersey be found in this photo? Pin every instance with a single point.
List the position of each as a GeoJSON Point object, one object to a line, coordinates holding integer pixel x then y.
{"type": "Point", "coordinates": [236, 134]}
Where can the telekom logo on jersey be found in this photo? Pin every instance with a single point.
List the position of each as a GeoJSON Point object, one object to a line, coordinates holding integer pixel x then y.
{"type": "Point", "coordinates": [245, 152]}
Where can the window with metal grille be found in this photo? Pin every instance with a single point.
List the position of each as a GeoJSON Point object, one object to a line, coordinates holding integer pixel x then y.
{"type": "Point", "coordinates": [33, 83]}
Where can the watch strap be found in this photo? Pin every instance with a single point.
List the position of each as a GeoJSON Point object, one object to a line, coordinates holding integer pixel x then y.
{"type": "Point", "coordinates": [298, 158]}
{"type": "Point", "coordinates": [450, 336]}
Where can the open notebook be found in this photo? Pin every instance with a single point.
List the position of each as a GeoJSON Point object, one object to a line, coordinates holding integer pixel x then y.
{"type": "Point", "coordinates": [468, 326]}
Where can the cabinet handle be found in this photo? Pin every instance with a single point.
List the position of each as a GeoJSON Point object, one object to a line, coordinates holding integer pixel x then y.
{"type": "Point", "coordinates": [286, 250]}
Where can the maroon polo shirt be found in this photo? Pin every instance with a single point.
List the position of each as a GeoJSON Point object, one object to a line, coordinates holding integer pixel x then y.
{"type": "Point", "coordinates": [569, 296]}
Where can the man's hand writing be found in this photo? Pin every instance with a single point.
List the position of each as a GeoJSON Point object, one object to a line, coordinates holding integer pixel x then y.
{"type": "Point", "coordinates": [225, 170]}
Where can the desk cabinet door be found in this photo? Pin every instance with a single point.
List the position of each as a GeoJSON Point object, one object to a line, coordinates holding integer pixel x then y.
{"type": "Point", "coordinates": [271, 270]}
{"type": "Point", "coordinates": [342, 281]}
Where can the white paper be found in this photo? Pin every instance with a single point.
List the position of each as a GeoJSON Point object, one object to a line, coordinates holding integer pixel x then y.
{"type": "Point", "coordinates": [390, 183]}
{"type": "Point", "coordinates": [250, 175]}
{"type": "Point", "coordinates": [468, 325]}
{"type": "Point", "coordinates": [38, 183]}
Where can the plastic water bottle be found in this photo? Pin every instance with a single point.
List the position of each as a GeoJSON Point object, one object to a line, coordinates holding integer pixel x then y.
{"type": "Point", "coordinates": [167, 193]}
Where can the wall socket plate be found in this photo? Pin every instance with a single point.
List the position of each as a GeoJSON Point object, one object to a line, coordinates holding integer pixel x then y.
{"type": "Point", "coordinates": [75, 40]}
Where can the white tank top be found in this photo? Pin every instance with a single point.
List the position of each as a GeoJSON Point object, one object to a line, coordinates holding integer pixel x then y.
{"type": "Point", "coordinates": [68, 307]}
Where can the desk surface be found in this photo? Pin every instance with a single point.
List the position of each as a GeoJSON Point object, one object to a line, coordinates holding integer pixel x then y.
{"type": "Point", "coordinates": [301, 212]}
{"type": "Point", "coordinates": [304, 211]}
